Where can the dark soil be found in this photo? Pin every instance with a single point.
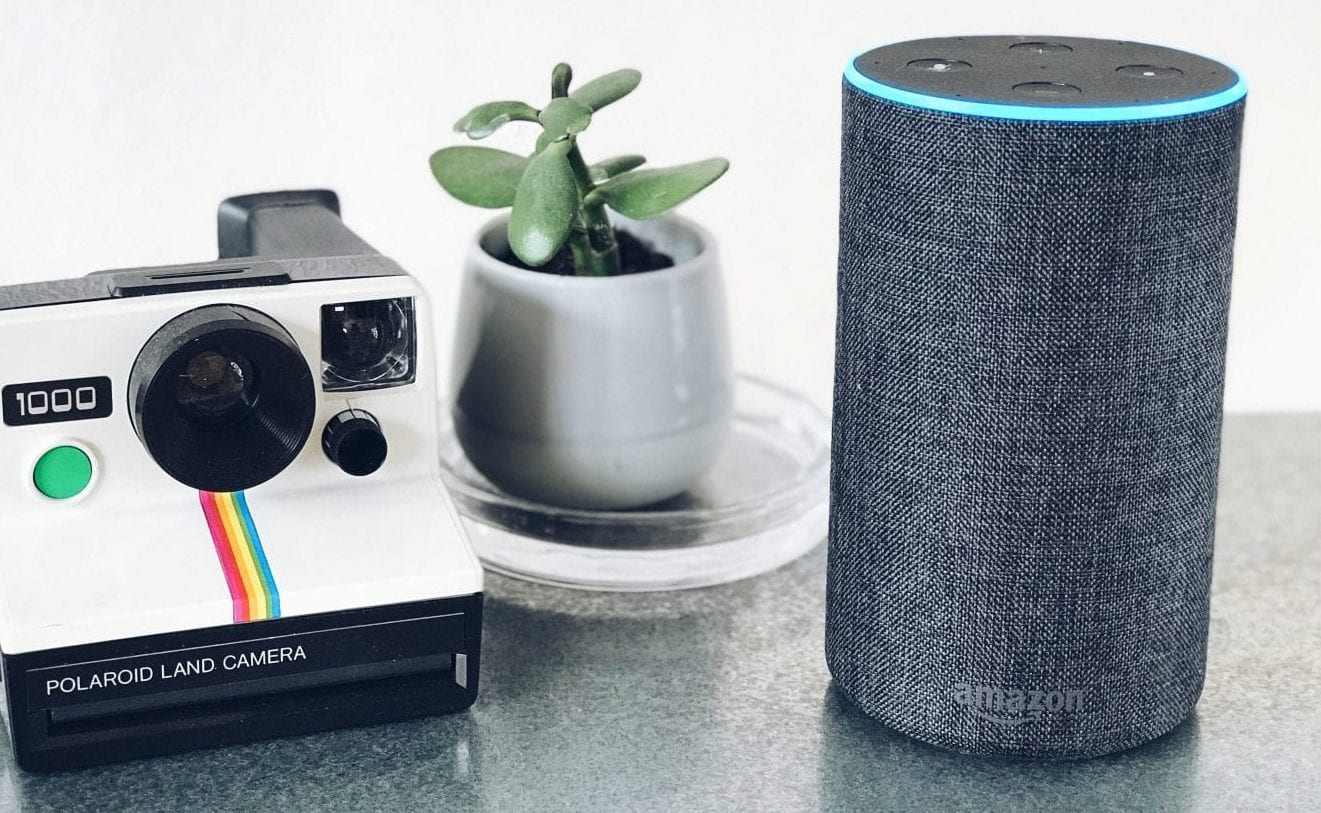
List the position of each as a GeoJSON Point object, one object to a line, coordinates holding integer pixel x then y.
{"type": "Point", "coordinates": [635, 257]}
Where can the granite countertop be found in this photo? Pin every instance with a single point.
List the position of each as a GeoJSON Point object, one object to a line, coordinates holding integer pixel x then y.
{"type": "Point", "coordinates": [719, 698]}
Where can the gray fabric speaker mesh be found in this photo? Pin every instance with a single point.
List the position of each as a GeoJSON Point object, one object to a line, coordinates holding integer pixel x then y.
{"type": "Point", "coordinates": [1031, 345]}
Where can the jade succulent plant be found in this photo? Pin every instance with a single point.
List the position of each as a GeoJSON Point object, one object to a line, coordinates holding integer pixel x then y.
{"type": "Point", "coordinates": [557, 197]}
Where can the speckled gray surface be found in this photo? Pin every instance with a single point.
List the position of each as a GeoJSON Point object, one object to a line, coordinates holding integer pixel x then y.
{"type": "Point", "coordinates": [719, 698]}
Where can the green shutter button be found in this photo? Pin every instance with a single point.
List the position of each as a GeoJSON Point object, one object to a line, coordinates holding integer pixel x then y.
{"type": "Point", "coordinates": [63, 472]}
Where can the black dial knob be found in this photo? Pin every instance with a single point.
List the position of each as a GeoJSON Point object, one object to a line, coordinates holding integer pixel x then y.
{"type": "Point", "coordinates": [353, 440]}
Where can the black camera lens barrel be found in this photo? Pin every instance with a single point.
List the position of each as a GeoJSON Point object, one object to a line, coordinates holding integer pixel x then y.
{"type": "Point", "coordinates": [255, 422]}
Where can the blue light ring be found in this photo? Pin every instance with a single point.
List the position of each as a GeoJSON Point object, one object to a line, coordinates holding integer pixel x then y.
{"type": "Point", "coordinates": [1088, 114]}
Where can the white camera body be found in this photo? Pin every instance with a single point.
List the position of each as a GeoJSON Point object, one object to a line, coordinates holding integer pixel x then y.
{"type": "Point", "coordinates": [146, 605]}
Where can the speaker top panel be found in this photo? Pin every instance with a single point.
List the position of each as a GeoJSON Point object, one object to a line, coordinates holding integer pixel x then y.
{"type": "Point", "coordinates": [1046, 78]}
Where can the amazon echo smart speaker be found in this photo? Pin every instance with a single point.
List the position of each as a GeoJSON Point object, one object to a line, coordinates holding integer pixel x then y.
{"type": "Point", "coordinates": [1034, 271]}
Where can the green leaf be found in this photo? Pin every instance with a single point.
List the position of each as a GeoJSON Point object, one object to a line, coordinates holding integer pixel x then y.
{"type": "Point", "coordinates": [560, 77]}
{"type": "Point", "coordinates": [544, 206]}
{"type": "Point", "coordinates": [646, 193]}
{"type": "Point", "coordinates": [563, 118]}
{"type": "Point", "coordinates": [485, 119]}
{"type": "Point", "coordinates": [610, 167]}
{"type": "Point", "coordinates": [479, 176]}
{"type": "Point", "coordinates": [603, 90]}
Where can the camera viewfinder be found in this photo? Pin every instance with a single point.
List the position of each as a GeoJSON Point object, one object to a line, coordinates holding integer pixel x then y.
{"type": "Point", "coordinates": [368, 345]}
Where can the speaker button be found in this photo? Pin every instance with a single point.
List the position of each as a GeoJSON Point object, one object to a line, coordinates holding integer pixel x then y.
{"type": "Point", "coordinates": [1149, 71]}
{"type": "Point", "coordinates": [1037, 48]}
{"type": "Point", "coordinates": [1047, 89]}
{"type": "Point", "coordinates": [939, 65]}
{"type": "Point", "coordinates": [353, 440]}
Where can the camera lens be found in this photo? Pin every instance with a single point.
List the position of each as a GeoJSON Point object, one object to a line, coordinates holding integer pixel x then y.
{"type": "Point", "coordinates": [368, 345]}
{"type": "Point", "coordinates": [222, 398]}
{"type": "Point", "coordinates": [217, 386]}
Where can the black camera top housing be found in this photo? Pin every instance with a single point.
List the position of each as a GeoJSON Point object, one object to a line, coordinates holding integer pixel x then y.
{"type": "Point", "coordinates": [273, 238]}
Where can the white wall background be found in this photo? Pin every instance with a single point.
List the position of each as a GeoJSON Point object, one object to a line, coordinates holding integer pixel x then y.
{"type": "Point", "coordinates": [125, 123]}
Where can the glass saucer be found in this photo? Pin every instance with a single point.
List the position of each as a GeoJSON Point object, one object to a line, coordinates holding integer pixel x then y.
{"type": "Point", "coordinates": [762, 505]}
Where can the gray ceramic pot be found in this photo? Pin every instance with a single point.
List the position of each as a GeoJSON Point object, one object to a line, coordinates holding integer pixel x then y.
{"type": "Point", "coordinates": [594, 392]}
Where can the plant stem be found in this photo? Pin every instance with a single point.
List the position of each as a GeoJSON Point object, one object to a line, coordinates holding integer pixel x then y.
{"type": "Point", "coordinates": [592, 239]}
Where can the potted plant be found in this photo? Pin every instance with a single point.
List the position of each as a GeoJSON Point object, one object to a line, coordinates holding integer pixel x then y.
{"type": "Point", "coordinates": [591, 362]}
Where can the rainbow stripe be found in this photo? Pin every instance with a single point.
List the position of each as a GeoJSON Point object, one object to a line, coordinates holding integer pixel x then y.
{"type": "Point", "coordinates": [251, 586]}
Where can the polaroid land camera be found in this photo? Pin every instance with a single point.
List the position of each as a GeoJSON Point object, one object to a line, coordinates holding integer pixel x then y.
{"type": "Point", "coordinates": [221, 518]}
